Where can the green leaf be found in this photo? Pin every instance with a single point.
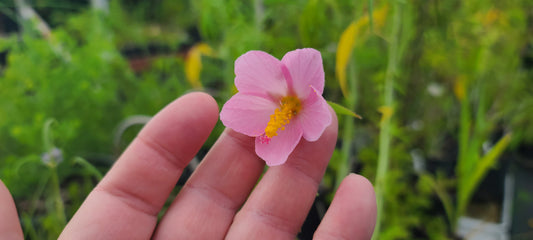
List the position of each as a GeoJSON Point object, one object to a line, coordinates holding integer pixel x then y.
{"type": "Point", "coordinates": [471, 181]}
{"type": "Point", "coordinates": [441, 192]}
{"type": "Point", "coordinates": [355, 34]}
{"type": "Point", "coordinates": [344, 51]}
{"type": "Point", "coordinates": [342, 110]}
{"type": "Point", "coordinates": [48, 140]}
{"type": "Point", "coordinates": [89, 167]}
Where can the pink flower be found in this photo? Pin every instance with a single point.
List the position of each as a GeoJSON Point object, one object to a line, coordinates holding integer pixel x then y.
{"type": "Point", "coordinates": [278, 102]}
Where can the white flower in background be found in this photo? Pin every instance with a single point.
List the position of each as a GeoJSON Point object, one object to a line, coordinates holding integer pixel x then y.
{"type": "Point", "coordinates": [434, 89]}
{"type": "Point", "coordinates": [52, 157]}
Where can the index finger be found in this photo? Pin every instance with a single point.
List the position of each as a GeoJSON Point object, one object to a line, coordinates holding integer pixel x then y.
{"type": "Point", "coordinates": [126, 202]}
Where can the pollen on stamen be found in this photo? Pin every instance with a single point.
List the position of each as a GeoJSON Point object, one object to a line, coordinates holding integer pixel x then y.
{"type": "Point", "coordinates": [289, 108]}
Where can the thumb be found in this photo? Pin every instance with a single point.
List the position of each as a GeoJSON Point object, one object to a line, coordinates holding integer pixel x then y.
{"type": "Point", "coordinates": [9, 220]}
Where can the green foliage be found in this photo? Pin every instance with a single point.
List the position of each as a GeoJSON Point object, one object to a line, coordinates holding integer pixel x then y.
{"type": "Point", "coordinates": [409, 208]}
{"type": "Point", "coordinates": [476, 76]}
{"type": "Point", "coordinates": [79, 78]}
{"type": "Point", "coordinates": [342, 110]}
{"type": "Point", "coordinates": [452, 73]}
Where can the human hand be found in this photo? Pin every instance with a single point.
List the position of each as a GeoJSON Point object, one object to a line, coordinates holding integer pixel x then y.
{"type": "Point", "coordinates": [221, 198]}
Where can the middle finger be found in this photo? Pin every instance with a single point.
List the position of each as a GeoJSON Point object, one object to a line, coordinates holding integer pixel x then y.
{"type": "Point", "coordinates": [206, 205]}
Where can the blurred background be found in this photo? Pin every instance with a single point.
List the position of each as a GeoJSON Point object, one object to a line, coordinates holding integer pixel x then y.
{"type": "Point", "coordinates": [445, 88]}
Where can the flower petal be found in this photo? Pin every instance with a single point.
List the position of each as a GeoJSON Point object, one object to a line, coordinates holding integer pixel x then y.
{"type": "Point", "coordinates": [315, 116]}
{"type": "Point", "coordinates": [305, 68]}
{"type": "Point", "coordinates": [259, 73]}
{"type": "Point", "coordinates": [247, 114]}
{"type": "Point", "coordinates": [280, 147]}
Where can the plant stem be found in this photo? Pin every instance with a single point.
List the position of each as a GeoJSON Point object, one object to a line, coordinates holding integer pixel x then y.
{"type": "Point", "coordinates": [58, 201]}
{"type": "Point", "coordinates": [463, 164]}
{"type": "Point", "coordinates": [91, 168]}
{"type": "Point", "coordinates": [348, 129]}
{"type": "Point", "coordinates": [259, 13]}
{"type": "Point", "coordinates": [385, 133]}
{"type": "Point", "coordinates": [47, 135]}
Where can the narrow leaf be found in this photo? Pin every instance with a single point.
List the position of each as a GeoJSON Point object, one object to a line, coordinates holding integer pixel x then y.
{"type": "Point", "coordinates": [342, 110]}
{"type": "Point", "coordinates": [354, 33]}
{"type": "Point", "coordinates": [441, 192]}
{"type": "Point", "coordinates": [193, 63]}
{"type": "Point", "coordinates": [471, 181]}
{"type": "Point", "coordinates": [344, 51]}
{"type": "Point", "coordinates": [459, 88]}
{"type": "Point", "coordinates": [193, 66]}
{"type": "Point", "coordinates": [204, 49]}
{"type": "Point", "coordinates": [89, 167]}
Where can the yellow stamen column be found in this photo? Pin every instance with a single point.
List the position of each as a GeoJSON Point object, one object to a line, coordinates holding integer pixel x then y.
{"type": "Point", "coordinates": [289, 108]}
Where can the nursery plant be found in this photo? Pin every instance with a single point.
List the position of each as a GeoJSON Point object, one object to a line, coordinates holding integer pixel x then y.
{"type": "Point", "coordinates": [445, 80]}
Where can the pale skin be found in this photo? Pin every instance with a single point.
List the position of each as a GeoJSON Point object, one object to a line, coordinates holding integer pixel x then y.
{"type": "Point", "coordinates": [222, 199]}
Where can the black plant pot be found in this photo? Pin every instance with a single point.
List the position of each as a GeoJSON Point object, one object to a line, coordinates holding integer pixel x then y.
{"type": "Point", "coordinates": [522, 219]}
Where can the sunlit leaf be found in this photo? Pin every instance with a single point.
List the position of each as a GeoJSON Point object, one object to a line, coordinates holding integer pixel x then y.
{"type": "Point", "coordinates": [459, 88]}
{"type": "Point", "coordinates": [339, 109]}
{"type": "Point", "coordinates": [193, 63]}
{"type": "Point", "coordinates": [204, 49]}
{"type": "Point", "coordinates": [351, 36]}
{"type": "Point", "coordinates": [380, 16]}
{"type": "Point", "coordinates": [386, 113]}
{"type": "Point", "coordinates": [480, 171]}
{"type": "Point", "coordinates": [344, 51]}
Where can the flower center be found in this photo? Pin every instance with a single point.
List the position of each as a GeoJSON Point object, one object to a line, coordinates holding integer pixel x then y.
{"type": "Point", "coordinates": [290, 106]}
